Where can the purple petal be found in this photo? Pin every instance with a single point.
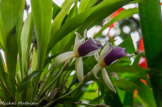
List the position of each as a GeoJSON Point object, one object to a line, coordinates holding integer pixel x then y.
{"type": "Point", "coordinates": [115, 54]}
{"type": "Point", "coordinates": [87, 47]}
{"type": "Point", "coordinates": [99, 45]}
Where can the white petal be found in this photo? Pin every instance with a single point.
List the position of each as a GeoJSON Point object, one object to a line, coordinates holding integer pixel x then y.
{"type": "Point", "coordinates": [79, 69]}
{"type": "Point", "coordinates": [95, 70]}
{"type": "Point", "coordinates": [106, 50]}
{"type": "Point", "coordinates": [85, 33]}
{"type": "Point", "coordinates": [64, 57]}
{"type": "Point", "coordinates": [78, 37]}
{"type": "Point", "coordinates": [97, 56]}
{"type": "Point", "coordinates": [78, 40]}
{"type": "Point", "coordinates": [107, 80]}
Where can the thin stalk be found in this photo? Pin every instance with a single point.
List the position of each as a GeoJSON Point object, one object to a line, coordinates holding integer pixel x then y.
{"type": "Point", "coordinates": [71, 84]}
{"type": "Point", "coordinates": [70, 92]}
{"type": "Point", "coordinates": [87, 105]}
{"type": "Point", "coordinates": [46, 81]}
{"type": "Point", "coordinates": [45, 88]}
{"type": "Point", "coordinates": [7, 90]}
{"type": "Point", "coordinates": [67, 94]}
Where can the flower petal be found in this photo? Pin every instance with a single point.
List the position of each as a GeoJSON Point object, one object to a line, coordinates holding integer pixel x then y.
{"type": "Point", "coordinates": [95, 70]}
{"type": "Point", "coordinates": [97, 56]}
{"type": "Point", "coordinates": [99, 45]}
{"type": "Point", "coordinates": [106, 50]}
{"type": "Point", "coordinates": [107, 80]}
{"type": "Point", "coordinates": [115, 54]}
{"type": "Point", "coordinates": [78, 37]}
{"type": "Point", "coordinates": [85, 33]}
{"type": "Point", "coordinates": [64, 57]}
{"type": "Point", "coordinates": [87, 47]}
{"type": "Point", "coordinates": [79, 69]}
{"type": "Point", "coordinates": [78, 41]}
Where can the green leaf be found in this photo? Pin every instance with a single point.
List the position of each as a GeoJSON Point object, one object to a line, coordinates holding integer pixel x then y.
{"type": "Point", "coordinates": [122, 62]}
{"type": "Point", "coordinates": [24, 83]}
{"type": "Point", "coordinates": [4, 94]}
{"type": "Point", "coordinates": [152, 32]}
{"type": "Point", "coordinates": [11, 15]}
{"type": "Point", "coordinates": [90, 95]}
{"type": "Point", "coordinates": [128, 45]}
{"type": "Point", "coordinates": [91, 92]}
{"type": "Point", "coordinates": [137, 59]}
{"type": "Point", "coordinates": [128, 69]}
{"type": "Point", "coordinates": [26, 38]}
{"type": "Point", "coordinates": [151, 27]}
{"type": "Point", "coordinates": [156, 84]}
{"type": "Point", "coordinates": [121, 94]}
{"type": "Point", "coordinates": [1, 41]}
{"type": "Point", "coordinates": [123, 14]}
{"type": "Point", "coordinates": [112, 99]}
{"type": "Point", "coordinates": [126, 85]}
{"type": "Point", "coordinates": [85, 4]}
{"type": "Point", "coordinates": [2, 69]}
{"type": "Point", "coordinates": [67, 28]}
{"type": "Point", "coordinates": [58, 20]}
{"type": "Point", "coordinates": [56, 10]}
{"type": "Point", "coordinates": [128, 100]}
{"type": "Point", "coordinates": [66, 43]}
{"type": "Point", "coordinates": [102, 10]}
{"type": "Point", "coordinates": [145, 96]}
{"type": "Point", "coordinates": [11, 21]}
{"type": "Point", "coordinates": [87, 19]}
{"type": "Point", "coordinates": [34, 59]}
{"type": "Point", "coordinates": [42, 14]}
{"type": "Point", "coordinates": [27, 79]}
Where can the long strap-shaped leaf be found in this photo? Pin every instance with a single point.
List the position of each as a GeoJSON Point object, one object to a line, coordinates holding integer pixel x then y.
{"type": "Point", "coordinates": [58, 21]}
{"type": "Point", "coordinates": [88, 18]}
{"type": "Point", "coordinates": [84, 4]}
{"type": "Point", "coordinates": [123, 14]}
{"type": "Point", "coordinates": [26, 38]}
{"type": "Point", "coordinates": [103, 10]}
{"type": "Point", "coordinates": [151, 26]}
{"type": "Point", "coordinates": [24, 83]}
{"type": "Point", "coordinates": [42, 14]}
{"type": "Point", "coordinates": [11, 15]}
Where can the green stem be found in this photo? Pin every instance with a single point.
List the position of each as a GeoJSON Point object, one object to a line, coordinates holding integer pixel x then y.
{"type": "Point", "coordinates": [87, 105]}
{"type": "Point", "coordinates": [70, 92]}
{"type": "Point", "coordinates": [67, 94]}
{"type": "Point", "coordinates": [45, 88]}
{"type": "Point", "coordinates": [6, 90]}
{"type": "Point", "coordinates": [46, 81]}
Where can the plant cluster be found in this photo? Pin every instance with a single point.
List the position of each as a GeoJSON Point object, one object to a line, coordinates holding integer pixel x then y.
{"type": "Point", "coordinates": [45, 62]}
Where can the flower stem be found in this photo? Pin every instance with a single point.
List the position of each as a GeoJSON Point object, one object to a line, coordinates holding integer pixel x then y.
{"type": "Point", "coordinates": [44, 89]}
{"type": "Point", "coordinates": [63, 95]}
{"type": "Point", "coordinates": [70, 92]}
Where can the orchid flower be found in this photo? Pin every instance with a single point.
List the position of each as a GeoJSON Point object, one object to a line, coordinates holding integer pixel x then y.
{"type": "Point", "coordinates": [81, 49]}
{"type": "Point", "coordinates": [107, 56]}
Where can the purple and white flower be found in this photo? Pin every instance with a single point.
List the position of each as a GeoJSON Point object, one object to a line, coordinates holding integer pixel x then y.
{"type": "Point", "coordinates": [81, 49]}
{"type": "Point", "coordinates": [107, 56]}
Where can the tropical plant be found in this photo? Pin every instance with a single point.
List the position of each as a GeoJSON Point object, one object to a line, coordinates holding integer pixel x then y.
{"type": "Point", "coordinates": [49, 60]}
